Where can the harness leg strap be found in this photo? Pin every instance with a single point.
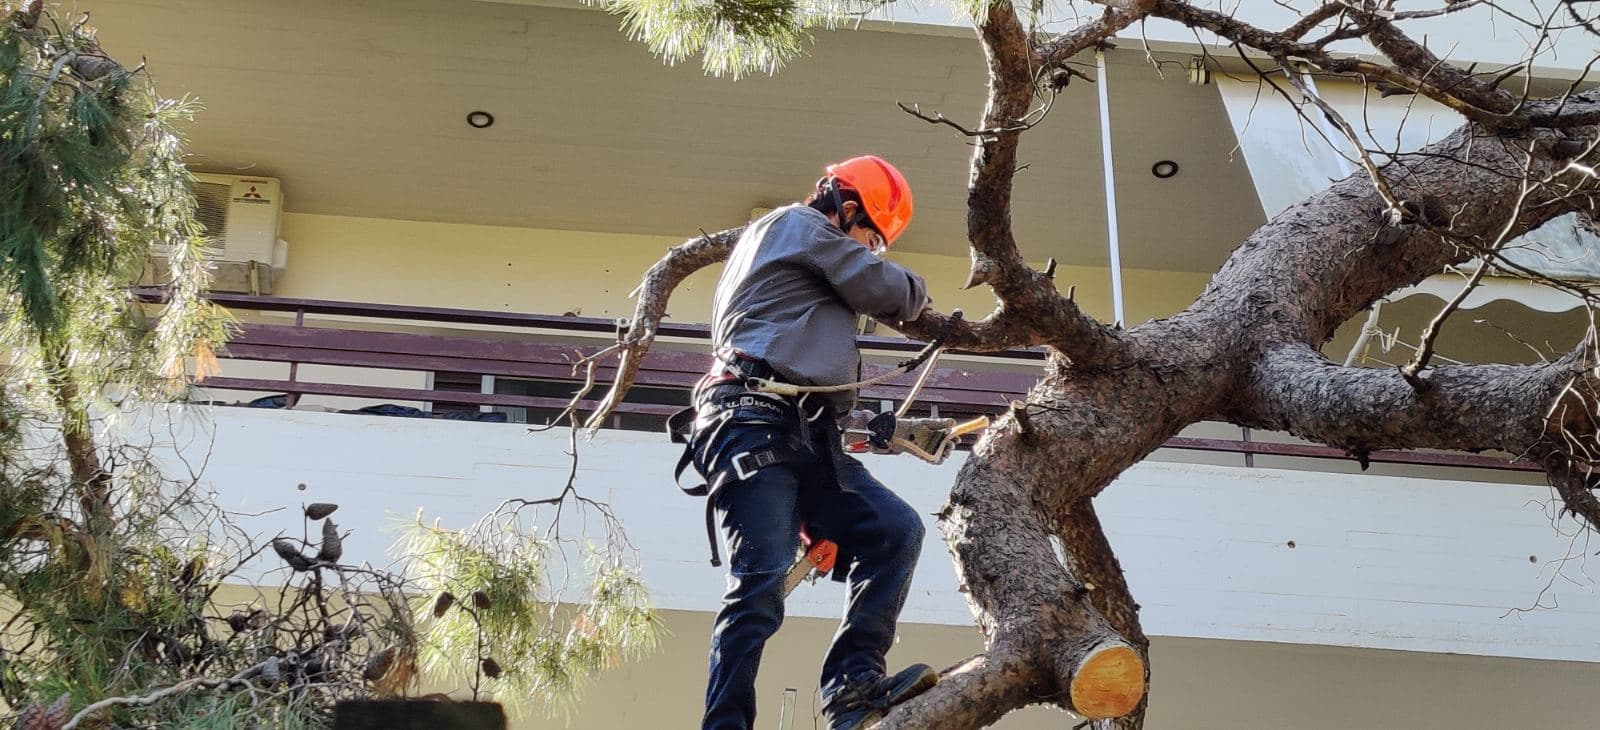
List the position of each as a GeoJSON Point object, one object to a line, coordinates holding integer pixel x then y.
{"type": "Point", "coordinates": [711, 533]}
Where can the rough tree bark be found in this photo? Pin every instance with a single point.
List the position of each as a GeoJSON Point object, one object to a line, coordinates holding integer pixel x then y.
{"type": "Point", "coordinates": [1247, 351]}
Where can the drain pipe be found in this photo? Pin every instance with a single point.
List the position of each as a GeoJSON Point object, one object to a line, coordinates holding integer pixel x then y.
{"type": "Point", "coordinates": [1101, 83]}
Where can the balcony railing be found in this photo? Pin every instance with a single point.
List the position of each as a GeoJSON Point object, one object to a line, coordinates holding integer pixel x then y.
{"type": "Point", "coordinates": [955, 390]}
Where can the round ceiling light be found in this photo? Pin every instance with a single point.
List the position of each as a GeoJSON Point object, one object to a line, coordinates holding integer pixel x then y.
{"type": "Point", "coordinates": [1164, 169]}
{"type": "Point", "coordinates": [480, 119]}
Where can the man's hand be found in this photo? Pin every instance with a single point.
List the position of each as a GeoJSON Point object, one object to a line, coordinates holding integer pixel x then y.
{"type": "Point", "coordinates": [926, 434]}
{"type": "Point", "coordinates": [929, 439]}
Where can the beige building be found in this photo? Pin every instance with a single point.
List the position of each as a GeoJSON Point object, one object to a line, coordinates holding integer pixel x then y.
{"type": "Point", "coordinates": [428, 257]}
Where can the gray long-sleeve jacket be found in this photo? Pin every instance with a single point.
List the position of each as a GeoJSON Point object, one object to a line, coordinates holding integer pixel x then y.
{"type": "Point", "coordinates": [792, 289]}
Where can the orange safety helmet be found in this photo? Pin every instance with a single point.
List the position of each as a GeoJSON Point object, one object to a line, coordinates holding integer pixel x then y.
{"type": "Point", "coordinates": [885, 194]}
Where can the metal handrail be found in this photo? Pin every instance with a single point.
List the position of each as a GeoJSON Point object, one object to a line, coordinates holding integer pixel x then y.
{"type": "Point", "coordinates": [414, 313]}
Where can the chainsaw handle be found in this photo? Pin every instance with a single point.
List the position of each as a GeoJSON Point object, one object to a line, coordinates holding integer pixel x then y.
{"type": "Point", "coordinates": [973, 426]}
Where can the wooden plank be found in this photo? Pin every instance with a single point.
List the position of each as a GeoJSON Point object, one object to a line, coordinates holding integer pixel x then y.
{"type": "Point", "coordinates": [469, 348]}
{"type": "Point", "coordinates": [409, 361]}
{"type": "Point", "coordinates": [403, 351]}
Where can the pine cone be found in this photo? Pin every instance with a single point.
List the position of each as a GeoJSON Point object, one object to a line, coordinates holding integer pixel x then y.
{"type": "Point", "coordinates": [60, 711]}
{"type": "Point", "coordinates": [313, 670]}
{"type": "Point", "coordinates": [191, 571]}
{"type": "Point", "coordinates": [238, 621]}
{"type": "Point", "coordinates": [480, 600]}
{"type": "Point", "coordinates": [93, 67]}
{"type": "Point", "coordinates": [37, 717]}
{"type": "Point", "coordinates": [271, 672]}
{"type": "Point", "coordinates": [443, 603]}
{"type": "Point", "coordinates": [378, 664]}
{"type": "Point", "coordinates": [319, 510]}
{"type": "Point", "coordinates": [491, 668]}
{"type": "Point", "coordinates": [332, 547]}
{"type": "Point", "coordinates": [32, 718]}
{"type": "Point", "coordinates": [345, 631]}
{"type": "Point", "coordinates": [28, 17]}
{"type": "Point", "coordinates": [286, 549]}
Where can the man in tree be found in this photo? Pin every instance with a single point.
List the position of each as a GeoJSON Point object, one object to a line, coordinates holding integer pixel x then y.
{"type": "Point", "coordinates": [785, 310]}
{"type": "Point", "coordinates": [1034, 562]}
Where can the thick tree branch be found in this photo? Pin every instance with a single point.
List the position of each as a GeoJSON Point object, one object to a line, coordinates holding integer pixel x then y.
{"type": "Point", "coordinates": [1574, 482]}
{"type": "Point", "coordinates": [1582, 110]}
{"type": "Point", "coordinates": [1233, 29]}
{"type": "Point", "coordinates": [975, 693]}
{"type": "Point", "coordinates": [1468, 408]}
{"type": "Point", "coordinates": [995, 258]}
{"type": "Point", "coordinates": [679, 262]}
{"type": "Point", "coordinates": [1420, 63]}
{"type": "Point", "coordinates": [1090, 34]}
{"type": "Point", "coordinates": [1032, 310]}
{"type": "Point", "coordinates": [1548, 413]}
{"type": "Point", "coordinates": [1023, 598]}
{"type": "Point", "coordinates": [1089, 555]}
{"type": "Point", "coordinates": [1315, 265]}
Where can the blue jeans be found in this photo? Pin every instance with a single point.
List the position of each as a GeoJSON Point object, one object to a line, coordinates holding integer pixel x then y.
{"type": "Point", "coordinates": [833, 495]}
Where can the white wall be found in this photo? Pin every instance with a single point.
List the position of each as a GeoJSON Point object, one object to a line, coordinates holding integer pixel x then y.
{"type": "Point", "coordinates": [1382, 562]}
{"type": "Point", "coordinates": [1292, 159]}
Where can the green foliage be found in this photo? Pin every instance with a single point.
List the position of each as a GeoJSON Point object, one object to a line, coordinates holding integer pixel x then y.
{"type": "Point", "coordinates": [503, 607]}
{"type": "Point", "coordinates": [103, 560]}
{"type": "Point", "coordinates": [91, 183]}
{"type": "Point", "coordinates": [111, 563]}
{"type": "Point", "coordinates": [732, 37]}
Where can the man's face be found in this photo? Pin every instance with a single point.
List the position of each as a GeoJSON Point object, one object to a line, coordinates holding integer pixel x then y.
{"type": "Point", "coordinates": [865, 233]}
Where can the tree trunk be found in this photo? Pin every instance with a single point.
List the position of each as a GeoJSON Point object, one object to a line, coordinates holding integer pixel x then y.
{"type": "Point", "coordinates": [77, 437]}
{"type": "Point", "coordinates": [1064, 629]}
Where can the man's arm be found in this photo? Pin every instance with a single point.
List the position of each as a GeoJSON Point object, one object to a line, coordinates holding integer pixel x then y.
{"type": "Point", "coordinates": [869, 284]}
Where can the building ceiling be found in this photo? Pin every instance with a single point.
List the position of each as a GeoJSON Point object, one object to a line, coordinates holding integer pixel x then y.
{"type": "Point", "coordinates": [360, 108]}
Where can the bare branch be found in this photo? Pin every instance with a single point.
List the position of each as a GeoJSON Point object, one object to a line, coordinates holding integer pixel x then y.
{"type": "Point", "coordinates": [915, 110]}
{"type": "Point", "coordinates": [1448, 8]}
{"type": "Point", "coordinates": [187, 685]}
{"type": "Point", "coordinates": [1417, 61]}
{"type": "Point", "coordinates": [1587, 24]}
{"type": "Point", "coordinates": [1312, 19]}
{"type": "Point", "coordinates": [1431, 332]}
{"type": "Point", "coordinates": [975, 693]}
{"type": "Point", "coordinates": [1333, 115]}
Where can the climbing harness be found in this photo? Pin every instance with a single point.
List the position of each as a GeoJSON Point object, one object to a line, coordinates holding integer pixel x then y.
{"type": "Point", "coordinates": [927, 353]}
{"type": "Point", "coordinates": [746, 390]}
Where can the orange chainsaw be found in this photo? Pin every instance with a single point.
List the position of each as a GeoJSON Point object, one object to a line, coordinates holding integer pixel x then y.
{"type": "Point", "coordinates": [816, 559]}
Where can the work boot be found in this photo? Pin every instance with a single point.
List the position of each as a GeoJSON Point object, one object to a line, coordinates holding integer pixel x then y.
{"type": "Point", "coordinates": [860, 704]}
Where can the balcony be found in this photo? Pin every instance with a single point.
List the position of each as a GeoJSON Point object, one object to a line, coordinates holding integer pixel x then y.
{"type": "Point", "coordinates": [1241, 545]}
{"type": "Point", "coordinates": [511, 367]}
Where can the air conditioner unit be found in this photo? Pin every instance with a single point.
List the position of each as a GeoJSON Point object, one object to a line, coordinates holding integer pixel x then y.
{"type": "Point", "coordinates": [239, 217]}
